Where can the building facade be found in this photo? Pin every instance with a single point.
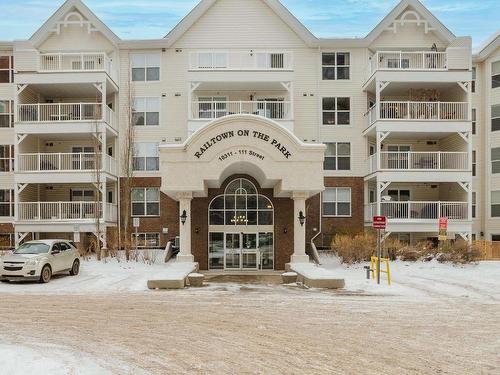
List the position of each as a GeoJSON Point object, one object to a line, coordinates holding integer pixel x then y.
{"type": "Point", "coordinates": [246, 136]}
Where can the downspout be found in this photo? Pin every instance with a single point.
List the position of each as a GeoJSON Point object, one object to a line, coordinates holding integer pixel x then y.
{"type": "Point", "coordinates": [314, 250]}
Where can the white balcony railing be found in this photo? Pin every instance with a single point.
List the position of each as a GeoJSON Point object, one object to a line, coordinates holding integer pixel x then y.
{"type": "Point", "coordinates": [110, 117]}
{"type": "Point", "coordinates": [75, 62]}
{"type": "Point", "coordinates": [64, 211]}
{"type": "Point", "coordinates": [412, 210]}
{"type": "Point", "coordinates": [408, 60]}
{"type": "Point", "coordinates": [411, 160]}
{"type": "Point", "coordinates": [240, 61]}
{"type": "Point", "coordinates": [65, 162]}
{"type": "Point", "coordinates": [59, 112]}
{"type": "Point", "coordinates": [280, 110]}
{"type": "Point", "coordinates": [424, 111]}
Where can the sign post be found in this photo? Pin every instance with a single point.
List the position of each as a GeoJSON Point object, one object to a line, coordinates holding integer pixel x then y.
{"type": "Point", "coordinates": [443, 229]}
{"type": "Point", "coordinates": [379, 224]}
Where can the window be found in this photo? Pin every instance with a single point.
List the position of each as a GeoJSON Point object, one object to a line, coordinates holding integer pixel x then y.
{"type": "Point", "coordinates": [6, 69]}
{"type": "Point", "coordinates": [241, 205]}
{"type": "Point", "coordinates": [495, 237]}
{"type": "Point", "coordinates": [495, 160]}
{"type": "Point", "coordinates": [146, 111]}
{"type": "Point", "coordinates": [473, 83]}
{"type": "Point", "coordinates": [336, 65]}
{"type": "Point", "coordinates": [336, 111]}
{"type": "Point", "coordinates": [474, 163]}
{"type": "Point", "coordinates": [145, 66]}
{"type": "Point", "coordinates": [212, 60]}
{"type": "Point", "coordinates": [495, 75]}
{"type": "Point", "coordinates": [338, 157]}
{"type": "Point", "coordinates": [474, 200]}
{"type": "Point", "coordinates": [495, 117]}
{"type": "Point", "coordinates": [7, 241]}
{"type": "Point", "coordinates": [495, 203]}
{"type": "Point", "coordinates": [82, 195]}
{"type": "Point", "coordinates": [146, 240]}
{"type": "Point", "coordinates": [146, 157]}
{"type": "Point", "coordinates": [145, 202]}
{"type": "Point", "coordinates": [6, 113]}
{"type": "Point", "coordinates": [474, 130]}
{"type": "Point", "coordinates": [6, 158]}
{"type": "Point", "coordinates": [270, 60]}
{"type": "Point", "coordinates": [212, 107]}
{"type": "Point", "coordinates": [6, 203]}
{"type": "Point", "coordinates": [337, 202]}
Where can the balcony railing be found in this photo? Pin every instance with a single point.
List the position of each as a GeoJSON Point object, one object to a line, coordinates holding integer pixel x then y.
{"type": "Point", "coordinates": [65, 162]}
{"type": "Point", "coordinates": [75, 62]}
{"type": "Point", "coordinates": [64, 211]}
{"type": "Point", "coordinates": [401, 60]}
{"type": "Point", "coordinates": [240, 61]}
{"type": "Point", "coordinates": [419, 111]}
{"type": "Point", "coordinates": [59, 112]}
{"type": "Point", "coordinates": [279, 110]}
{"type": "Point", "coordinates": [412, 210]}
{"type": "Point", "coordinates": [412, 160]}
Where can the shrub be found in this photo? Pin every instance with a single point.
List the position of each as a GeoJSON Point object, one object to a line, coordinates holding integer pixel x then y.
{"type": "Point", "coordinates": [459, 251]}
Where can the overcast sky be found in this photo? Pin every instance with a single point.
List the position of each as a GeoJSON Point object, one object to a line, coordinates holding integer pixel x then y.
{"type": "Point", "coordinates": [143, 19]}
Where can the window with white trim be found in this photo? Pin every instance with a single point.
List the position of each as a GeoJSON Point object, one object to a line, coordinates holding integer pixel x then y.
{"type": "Point", "coordinates": [336, 65]}
{"type": "Point", "coordinates": [145, 201]}
{"type": "Point", "coordinates": [495, 74]}
{"type": "Point", "coordinates": [474, 121]}
{"type": "Point", "coordinates": [146, 156]}
{"type": "Point", "coordinates": [6, 69]}
{"type": "Point", "coordinates": [6, 158]}
{"type": "Point", "coordinates": [145, 66]}
{"type": "Point", "coordinates": [495, 117]}
{"type": "Point", "coordinates": [146, 240]}
{"type": "Point", "coordinates": [336, 111]}
{"type": "Point", "coordinates": [495, 203]}
{"type": "Point", "coordinates": [6, 113]}
{"type": "Point", "coordinates": [474, 163]}
{"type": "Point", "coordinates": [6, 203]}
{"type": "Point", "coordinates": [337, 202]}
{"type": "Point", "coordinates": [474, 203]}
{"type": "Point", "coordinates": [473, 83]}
{"type": "Point", "coordinates": [495, 160]}
{"type": "Point", "coordinates": [337, 156]}
{"type": "Point", "coordinates": [146, 112]}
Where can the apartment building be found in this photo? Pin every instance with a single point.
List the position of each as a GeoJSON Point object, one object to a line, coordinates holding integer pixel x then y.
{"type": "Point", "coordinates": [250, 138]}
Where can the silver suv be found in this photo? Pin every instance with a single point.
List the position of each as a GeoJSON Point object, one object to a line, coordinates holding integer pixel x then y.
{"type": "Point", "coordinates": [39, 260]}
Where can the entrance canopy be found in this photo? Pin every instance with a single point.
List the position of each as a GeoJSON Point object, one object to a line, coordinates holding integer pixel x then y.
{"type": "Point", "coordinates": [242, 144]}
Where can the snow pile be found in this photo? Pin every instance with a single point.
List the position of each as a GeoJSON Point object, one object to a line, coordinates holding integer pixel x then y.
{"type": "Point", "coordinates": [312, 271]}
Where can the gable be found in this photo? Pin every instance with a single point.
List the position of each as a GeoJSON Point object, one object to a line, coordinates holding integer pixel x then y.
{"type": "Point", "coordinates": [412, 25]}
{"type": "Point", "coordinates": [235, 24]}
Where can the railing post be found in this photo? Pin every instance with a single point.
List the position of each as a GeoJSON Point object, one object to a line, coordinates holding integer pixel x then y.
{"type": "Point", "coordinates": [439, 160]}
{"type": "Point", "coordinates": [39, 211]}
{"type": "Point", "coordinates": [439, 110]}
{"type": "Point", "coordinates": [38, 113]}
{"type": "Point", "coordinates": [408, 110]}
{"type": "Point", "coordinates": [60, 210]}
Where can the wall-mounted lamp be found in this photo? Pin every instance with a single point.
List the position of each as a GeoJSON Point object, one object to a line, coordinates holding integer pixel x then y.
{"type": "Point", "coordinates": [285, 230]}
{"type": "Point", "coordinates": [302, 218]}
{"type": "Point", "coordinates": [183, 217]}
{"type": "Point", "coordinates": [196, 230]}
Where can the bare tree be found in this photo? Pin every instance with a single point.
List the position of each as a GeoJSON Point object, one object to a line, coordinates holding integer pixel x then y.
{"type": "Point", "coordinates": [127, 155]}
{"type": "Point", "coordinates": [99, 197]}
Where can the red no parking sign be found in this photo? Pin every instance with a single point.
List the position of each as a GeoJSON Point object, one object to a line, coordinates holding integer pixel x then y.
{"type": "Point", "coordinates": [379, 222]}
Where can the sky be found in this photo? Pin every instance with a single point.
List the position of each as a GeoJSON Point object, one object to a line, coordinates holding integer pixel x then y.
{"type": "Point", "coordinates": [152, 19]}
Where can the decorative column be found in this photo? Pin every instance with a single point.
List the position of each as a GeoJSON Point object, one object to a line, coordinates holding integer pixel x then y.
{"type": "Point", "coordinates": [185, 227]}
{"type": "Point", "coordinates": [299, 228]}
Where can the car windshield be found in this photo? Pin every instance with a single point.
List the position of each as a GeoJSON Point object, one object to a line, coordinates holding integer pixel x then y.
{"type": "Point", "coordinates": [32, 248]}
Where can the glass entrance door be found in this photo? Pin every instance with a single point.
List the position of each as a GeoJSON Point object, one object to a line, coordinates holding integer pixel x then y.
{"type": "Point", "coordinates": [232, 251]}
{"type": "Point", "coordinates": [241, 251]}
{"type": "Point", "coordinates": [249, 253]}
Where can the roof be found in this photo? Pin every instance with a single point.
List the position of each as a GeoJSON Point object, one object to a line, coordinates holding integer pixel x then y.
{"type": "Point", "coordinates": [490, 45]}
{"type": "Point", "coordinates": [46, 29]}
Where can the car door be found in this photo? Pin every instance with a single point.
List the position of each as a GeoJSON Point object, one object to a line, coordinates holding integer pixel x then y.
{"type": "Point", "coordinates": [56, 257]}
{"type": "Point", "coordinates": [67, 256]}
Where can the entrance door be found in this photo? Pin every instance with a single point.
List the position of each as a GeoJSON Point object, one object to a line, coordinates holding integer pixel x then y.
{"type": "Point", "coordinates": [241, 251]}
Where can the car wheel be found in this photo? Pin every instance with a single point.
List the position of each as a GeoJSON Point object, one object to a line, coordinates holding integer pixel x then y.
{"type": "Point", "coordinates": [76, 268]}
{"type": "Point", "coordinates": [46, 274]}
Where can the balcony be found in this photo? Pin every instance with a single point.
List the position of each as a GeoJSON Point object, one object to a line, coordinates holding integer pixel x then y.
{"type": "Point", "coordinates": [54, 212]}
{"type": "Point", "coordinates": [415, 211]}
{"type": "Point", "coordinates": [453, 59]}
{"type": "Point", "coordinates": [53, 113]}
{"type": "Point", "coordinates": [203, 112]}
{"type": "Point", "coordinates": [75, 62]}
{"type": "Point", "coordinates": [419, 161]}
{"type": "Point", "coordinates": [240, 61]}
{"type": "Point", "coordinates": [65, 162]}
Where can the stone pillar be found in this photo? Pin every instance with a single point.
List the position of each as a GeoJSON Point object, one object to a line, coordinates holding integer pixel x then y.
{"type": "Point", "coordinates": [299, 231]}
{"type": "Point", "coordinates": [185, 229]}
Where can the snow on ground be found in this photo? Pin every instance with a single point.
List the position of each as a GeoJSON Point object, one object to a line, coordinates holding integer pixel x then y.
{"type": "Point", "coordinates": [409, 279]}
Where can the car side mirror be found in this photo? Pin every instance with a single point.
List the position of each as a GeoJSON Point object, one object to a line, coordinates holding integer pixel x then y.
{"type": "Point", "coordinates": [55, 252]}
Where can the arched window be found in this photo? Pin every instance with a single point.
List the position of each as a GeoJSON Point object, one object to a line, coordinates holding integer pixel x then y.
{"type": "Point", "coordinates": [241, 205]}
